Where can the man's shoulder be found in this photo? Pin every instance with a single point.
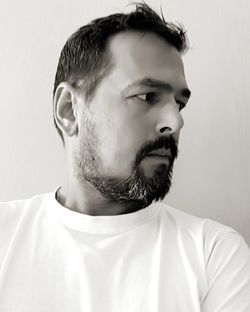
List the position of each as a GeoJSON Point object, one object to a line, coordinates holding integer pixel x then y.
{"type": "Point", "coordinates": [215, 243]}
{"type": "Point", "coordinates": [12, 214]}
{"type": "Point", "coordinates": [184, 220]}
{"type": "Point", "coordinates": [15, 208]}
{"type": "Point", "coordinates": [208, 230]}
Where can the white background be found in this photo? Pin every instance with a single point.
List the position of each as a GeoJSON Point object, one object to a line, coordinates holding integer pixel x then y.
{"type": "Point", "coordinates": [212, 173]}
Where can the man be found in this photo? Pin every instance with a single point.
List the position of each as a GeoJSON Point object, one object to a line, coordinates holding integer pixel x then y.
{"type": "Point", "coordinates": [102, 241]}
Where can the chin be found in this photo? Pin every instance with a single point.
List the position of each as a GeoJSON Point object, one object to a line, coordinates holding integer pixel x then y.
{"type": "Point", "coordinates": [138, 189]}
{"type": "Point", "coordinates": [158, 185]}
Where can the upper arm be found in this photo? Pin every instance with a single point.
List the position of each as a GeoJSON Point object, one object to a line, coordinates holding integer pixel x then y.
{"type": "Point", "coordinates": [9, 218]}
{"type": "Point", "coordinates": [228, 274]}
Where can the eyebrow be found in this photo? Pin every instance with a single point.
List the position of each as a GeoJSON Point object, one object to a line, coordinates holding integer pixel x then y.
{"type": "Point", "coordinates": [148, 82]}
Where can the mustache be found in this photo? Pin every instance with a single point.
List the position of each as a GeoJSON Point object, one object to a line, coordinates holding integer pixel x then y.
{"type": "Point", "coordinates": [162, 142]}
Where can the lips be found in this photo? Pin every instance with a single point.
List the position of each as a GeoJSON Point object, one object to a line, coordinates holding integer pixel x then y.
{"type": "Point", "coordinates": [159, 153]}
{"type": "Point", "coordinates": [156, 155]}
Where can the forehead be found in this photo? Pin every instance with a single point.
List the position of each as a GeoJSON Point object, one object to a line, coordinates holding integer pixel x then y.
{"type": "Point", "coordinates": [138, 55]}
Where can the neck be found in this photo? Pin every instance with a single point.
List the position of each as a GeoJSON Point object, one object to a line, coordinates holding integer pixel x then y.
{"type": "Point", "coordinates": [85, 199]}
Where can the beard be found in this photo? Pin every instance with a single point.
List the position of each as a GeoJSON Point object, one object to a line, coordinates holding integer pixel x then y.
{"type": "Point", "coordinates": [137, 189]}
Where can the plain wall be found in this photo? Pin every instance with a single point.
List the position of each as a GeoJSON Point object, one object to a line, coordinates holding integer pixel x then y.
{"type": "Point", "coordinates": [212, 174]}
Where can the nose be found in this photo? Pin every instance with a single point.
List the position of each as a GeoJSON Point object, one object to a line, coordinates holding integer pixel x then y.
{"type": "Point", "coordinates": [170, 120]}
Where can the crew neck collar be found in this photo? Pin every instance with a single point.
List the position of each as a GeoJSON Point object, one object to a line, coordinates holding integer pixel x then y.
{"type": "Point", "coordinates": [101, 224]}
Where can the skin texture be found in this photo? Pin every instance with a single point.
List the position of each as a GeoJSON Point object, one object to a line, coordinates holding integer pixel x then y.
{"type": "Point", "coordinates": [136, 104]}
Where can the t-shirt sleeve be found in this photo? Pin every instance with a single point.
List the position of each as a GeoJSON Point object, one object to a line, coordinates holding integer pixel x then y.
{"type": "Point", "coordinates": [227, 261]}
{"type": "Point", "coordinates": [10, 216]}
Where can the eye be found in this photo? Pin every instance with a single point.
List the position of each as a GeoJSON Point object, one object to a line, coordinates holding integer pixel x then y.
{"type": "Point", "coordinates": [149, 97]}
{"type": "Point", "coordinates": [181, 105]}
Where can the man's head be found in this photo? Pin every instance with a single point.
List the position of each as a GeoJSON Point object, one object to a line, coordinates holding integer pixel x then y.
{"type": "Point", "coordinates": [118, 92]}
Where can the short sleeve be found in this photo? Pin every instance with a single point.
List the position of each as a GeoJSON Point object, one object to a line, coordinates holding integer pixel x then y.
{"type": "Point", "coordinates": [10, 215]}
{"type": "Point", "coordinates": [227, 260]}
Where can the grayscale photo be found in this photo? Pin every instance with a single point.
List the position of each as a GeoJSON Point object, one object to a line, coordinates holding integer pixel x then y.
{"type": "Point", "coordinates": [125, 175]}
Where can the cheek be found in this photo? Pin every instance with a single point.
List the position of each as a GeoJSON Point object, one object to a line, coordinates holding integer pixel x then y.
{"type": "Point", "coordinates": [120, 141]}
{"type": "Point", "coordinates": [122, 129]}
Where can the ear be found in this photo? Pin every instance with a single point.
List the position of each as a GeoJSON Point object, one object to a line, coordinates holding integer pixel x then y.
{"type": "Point", "coordinates": [65, 109]}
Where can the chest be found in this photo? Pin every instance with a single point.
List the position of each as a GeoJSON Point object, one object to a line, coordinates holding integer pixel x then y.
{"type": "Point", "coordinates": [143, 270]}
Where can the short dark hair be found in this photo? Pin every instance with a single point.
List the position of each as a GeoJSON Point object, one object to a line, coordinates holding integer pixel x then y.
{"type": "Point", "coordinates": [84, 60]}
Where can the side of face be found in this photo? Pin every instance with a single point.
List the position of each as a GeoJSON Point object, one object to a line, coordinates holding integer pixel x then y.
{"type": "Point", "coordinates": [139, 101]}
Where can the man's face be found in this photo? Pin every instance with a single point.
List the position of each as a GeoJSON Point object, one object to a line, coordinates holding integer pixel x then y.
{"type": "Point", "coordinates": [128, 134]}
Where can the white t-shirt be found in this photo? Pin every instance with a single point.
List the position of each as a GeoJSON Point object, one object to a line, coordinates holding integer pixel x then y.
{"type": "Point", "coordinates": [53, 259]}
